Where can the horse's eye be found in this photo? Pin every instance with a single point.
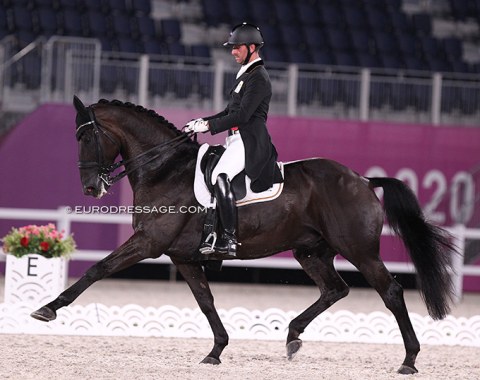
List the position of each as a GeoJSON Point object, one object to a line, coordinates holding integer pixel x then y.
{"type": "Point", "coordinates": [86, 139]}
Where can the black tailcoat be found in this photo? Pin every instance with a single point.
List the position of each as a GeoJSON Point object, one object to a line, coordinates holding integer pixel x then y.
{"type": "Point", "coordinates": [247, 110]}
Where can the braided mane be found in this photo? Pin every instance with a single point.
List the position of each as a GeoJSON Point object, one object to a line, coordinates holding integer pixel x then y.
{"type": "Point", "coordinates": [150, 113]}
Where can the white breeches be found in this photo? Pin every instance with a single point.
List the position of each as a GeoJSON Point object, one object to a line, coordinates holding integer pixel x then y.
{"type": "Point", "coordinates": [232, 161]}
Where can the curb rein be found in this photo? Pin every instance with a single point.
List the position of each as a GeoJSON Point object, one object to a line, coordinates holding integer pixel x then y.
{"type": "Point", "coordinates": [104, 170]}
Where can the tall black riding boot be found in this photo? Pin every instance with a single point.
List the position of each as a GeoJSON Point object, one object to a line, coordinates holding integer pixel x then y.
{"type": "Point", "coordinates": [227, 211]}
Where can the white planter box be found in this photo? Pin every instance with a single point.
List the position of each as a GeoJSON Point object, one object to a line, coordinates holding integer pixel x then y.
{"type": "Point", "coordinates": [34, 279]}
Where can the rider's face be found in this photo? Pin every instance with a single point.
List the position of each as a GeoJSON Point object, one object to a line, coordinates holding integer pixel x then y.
{"type": "Point", "coordinates": [240, 53]}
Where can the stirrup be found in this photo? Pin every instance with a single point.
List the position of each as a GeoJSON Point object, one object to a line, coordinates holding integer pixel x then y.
{"type": "Point", "coordinates": [208, 248]}
{"type": "Point", "coordinates": [231, 248]}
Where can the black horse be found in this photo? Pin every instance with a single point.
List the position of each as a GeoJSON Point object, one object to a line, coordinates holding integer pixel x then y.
{"type": "Point", "coordinates": [325, 209]}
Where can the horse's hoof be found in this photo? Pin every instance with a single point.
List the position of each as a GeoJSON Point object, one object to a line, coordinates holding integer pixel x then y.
{"type": "Point", "coordinates": [405, 370]}
{"type": "Point", "coordinates": [44, 314]}
{"type": "Point", "coordinates": [210, 360]}
{"type": "Point", "coordinates": [293, 347]}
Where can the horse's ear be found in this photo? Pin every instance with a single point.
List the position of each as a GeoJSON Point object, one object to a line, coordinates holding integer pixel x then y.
{"type": "Point", "coordinates": [79, 106]}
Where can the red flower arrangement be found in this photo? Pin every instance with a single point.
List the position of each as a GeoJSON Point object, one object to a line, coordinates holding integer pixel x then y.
{"type": "Point", "coordinates": [42, 240]}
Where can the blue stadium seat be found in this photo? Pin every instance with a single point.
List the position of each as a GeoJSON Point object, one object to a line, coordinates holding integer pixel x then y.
{"type": "Point", "coordinates": [460, 10]}
{"type": "Point", "coordinates": [386, 43]}
{"type": "Point", "coordinates": [285, 12]}
{"type": "Point", "coordinates": [115, 6]}
{"type": "Point", "coordinates": [200, 50]}
{"type": "Point", "coordinates": [356, 18]}
{"type": "Point", "coordinates": [322, 57]}
{"type": "Point", "coordinates": [274, 54]}
{"type": "Point", "coordinates": [71, 4]}
{"type": "Point", "coordinates": [129, 45]}
{"type": "Point", "coordinates": [96, 23]}
{"type": "Point", "coordinates": [139, 7]}
{"type": "Point", "coordinates": [401, 23]}
{"type": "Point", "coordinates": [292, 35]}
{"type": "Point", "coordinates": [314, 37]}
{"type": "Point", "coordinates": [296, 55]}
{"type": "Point", "coordinates": [422, 24]}
{"type": "Point", "coordinates": [170, 30]}
{"type": "Point", "coordinates": [415, 63]}
{"type": "Point", "coordinates": [238, 11]}
{"type": "Point", "coordinates": [271, 35]}
{"type": "Point", "coordinates": [49, 4]}
{"type": "Point", "coordinates": [362, 41]}
{"type": "Point", "coordinates": [22, 19]}
{"type": "Point", "coordinates": [332, 16]}
{"type": "Point", "coordinates": [378, 19]}
{"type": "Point", "coordinates": [146, 27]}
{"type": "Point", "coordinates": [262, 12]}
{"type": "Point", "coordinates": [47, 21]}
{"type": "Point", "coordinates": [407, 44]}
{"type": "Point", "coordinates": [392, 61]}
{"type": "Point", "coordinates": [177, 49]}
{"type": "Point", "coordinates": [368, 60]}
{"type": "Point", "coordinates": [438, 64]}
{"type": "Point", "coordinates": [308, 13]}
{"type": "Point", "coordinates": [338, 39]}
{"type": "Point", "coordinates": [345, 58]}
{"type": "Point", "coordinates": [72, 24]}
{"type": "Point", "coordinates": [121, 24]}
{"type": "Point", "coordinates": [3, 19]}
{"type": "Point", "coordinates": [453, 47]}
{"type": "Point", "coordinates": [153, 46]}
{"type": "Point", "coordinates": [214, 12]}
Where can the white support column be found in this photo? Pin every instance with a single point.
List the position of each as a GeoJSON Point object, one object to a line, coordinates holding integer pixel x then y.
{"type": "Point", "coordinates": [458, 262]}
{"type": "Point", "coordinates": [292, 89]}
{"type": "Point", "coordinates": [143, 80]}
{"type": "Point", "coordinates": [218, 103]}
{"type": "Point", "coordinates": [364, 94]}
{"type": "Point", "coordinates": [436, 98]}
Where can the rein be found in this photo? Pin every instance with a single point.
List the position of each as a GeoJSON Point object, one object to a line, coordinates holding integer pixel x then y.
{"type": "Point", "coordinates": [104, 170]}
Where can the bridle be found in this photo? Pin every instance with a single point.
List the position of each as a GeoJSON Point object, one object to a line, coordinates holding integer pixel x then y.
{"type": "Point", "coordinates": [134, 163]}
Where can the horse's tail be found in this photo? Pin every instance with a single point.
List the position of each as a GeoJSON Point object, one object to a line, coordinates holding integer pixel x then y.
{"type": "Point", "coordinates": [429, 246]}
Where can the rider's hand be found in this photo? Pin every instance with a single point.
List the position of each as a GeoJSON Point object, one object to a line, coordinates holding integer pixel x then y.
{"type": "Point", "coordinates": [197, 125]}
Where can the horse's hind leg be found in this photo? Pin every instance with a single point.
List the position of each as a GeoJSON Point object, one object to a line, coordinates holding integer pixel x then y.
{"type": "Point", "coordinates": [391, 292]}
{"type": "Point", "coordinates": [318, 264]}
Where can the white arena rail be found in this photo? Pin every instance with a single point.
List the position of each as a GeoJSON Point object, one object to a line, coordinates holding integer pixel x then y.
{"type": "Point", "coordinates": [63, 220]}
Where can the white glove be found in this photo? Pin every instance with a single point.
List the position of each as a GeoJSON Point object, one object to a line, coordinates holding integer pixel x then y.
{"type": "Point", "coordinates": [197, 125]}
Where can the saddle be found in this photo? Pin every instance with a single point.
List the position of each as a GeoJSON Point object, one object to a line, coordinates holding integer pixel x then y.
{"type": "Point", "coordinates": [208, 157]}
{"type": "Point", "coordinates": [207, 165]}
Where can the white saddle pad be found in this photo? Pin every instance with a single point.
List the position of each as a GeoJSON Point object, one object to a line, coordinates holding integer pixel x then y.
{"type": "Point", "coordinates": [203, 195]}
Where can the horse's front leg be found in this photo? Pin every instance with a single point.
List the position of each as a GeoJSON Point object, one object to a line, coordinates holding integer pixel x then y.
{"type": "Point", "coordinates": [197, 281]}
{"type": "Point", "coordinates": [131, 252]}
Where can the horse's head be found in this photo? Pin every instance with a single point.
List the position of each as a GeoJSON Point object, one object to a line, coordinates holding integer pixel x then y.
{"type": "Point", "coordinates": [97, 151]}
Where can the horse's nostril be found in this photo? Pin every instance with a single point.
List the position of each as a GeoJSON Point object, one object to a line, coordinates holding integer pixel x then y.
{"type": "Point", "coordinates": [89, 189]}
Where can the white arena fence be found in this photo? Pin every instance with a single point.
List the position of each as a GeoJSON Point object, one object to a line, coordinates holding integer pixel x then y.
{"type": "Point", "coordinates": [271, 324]}
{"type": "Point", "coordinates": [64, 220]}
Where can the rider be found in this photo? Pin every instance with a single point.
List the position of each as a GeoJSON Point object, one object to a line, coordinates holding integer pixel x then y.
{"type": "Point", "coordinates": [248, 145]}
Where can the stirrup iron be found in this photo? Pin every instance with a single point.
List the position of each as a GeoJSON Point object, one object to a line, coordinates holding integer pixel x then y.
{"type": "Point", "coordinates": [208, 248]}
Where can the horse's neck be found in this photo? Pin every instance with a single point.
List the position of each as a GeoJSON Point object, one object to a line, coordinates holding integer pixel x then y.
{"type": "Point", "coordinates": [167, 171]}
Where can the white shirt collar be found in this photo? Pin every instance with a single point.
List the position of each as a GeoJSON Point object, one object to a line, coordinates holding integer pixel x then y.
{"type": "Point", "coordinates": [245, 67]}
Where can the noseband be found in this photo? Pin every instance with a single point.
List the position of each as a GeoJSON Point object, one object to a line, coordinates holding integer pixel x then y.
{"type": "Point", "coordinates": [104, 169]}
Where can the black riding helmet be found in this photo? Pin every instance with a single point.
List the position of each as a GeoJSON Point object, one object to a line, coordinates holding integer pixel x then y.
{"type": "Point", "coordinates": [245, 34]}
